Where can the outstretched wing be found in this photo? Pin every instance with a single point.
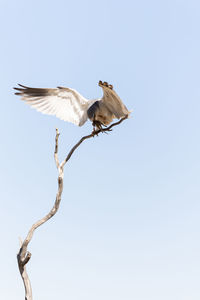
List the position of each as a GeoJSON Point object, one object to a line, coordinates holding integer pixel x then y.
{"type": "Point", "coordinates": [65, 103]}
{"type": "Point", "coordinates": [112, 101]}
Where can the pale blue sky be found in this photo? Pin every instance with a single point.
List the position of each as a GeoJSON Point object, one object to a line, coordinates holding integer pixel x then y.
{"type": "Point", "coordinates": [128, 226]}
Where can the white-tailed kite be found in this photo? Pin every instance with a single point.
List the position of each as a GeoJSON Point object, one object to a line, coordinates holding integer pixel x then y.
{"type": "Point", "coordinates": [68, 105]}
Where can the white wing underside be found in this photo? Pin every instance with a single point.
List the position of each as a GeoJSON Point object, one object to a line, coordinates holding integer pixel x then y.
{"type": "Point", "coordinates": [66, 104]}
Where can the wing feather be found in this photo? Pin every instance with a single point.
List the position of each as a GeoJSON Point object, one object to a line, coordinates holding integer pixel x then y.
{"type": "Point", "coordinates": [65, 103]}
{"type": "Point", "coordinates": [114, 103]}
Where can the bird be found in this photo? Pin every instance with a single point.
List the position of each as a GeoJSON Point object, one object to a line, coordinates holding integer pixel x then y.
{"type": "Point", "coordinates": [68, 105]}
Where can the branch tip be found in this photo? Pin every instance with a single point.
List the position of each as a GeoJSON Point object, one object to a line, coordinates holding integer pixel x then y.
{"type": "Point", "coordinates": [57, 131]}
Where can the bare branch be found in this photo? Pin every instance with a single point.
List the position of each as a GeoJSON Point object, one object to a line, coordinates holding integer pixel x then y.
{"type": "Point", "coordinates": [27, 258]}
{"type": "Point", "coordinates": [107, 129]}
{"type": "Point", "coordinates": [56, 149]}
{"type": "Point", "coordinates": [24, 256]}
{"type": "Point", "coordinates": [25, 278]}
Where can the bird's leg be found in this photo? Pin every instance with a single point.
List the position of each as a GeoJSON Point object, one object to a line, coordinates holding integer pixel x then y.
{"type": "Point", "coordinates": [94, 127]}
{"type": "Point", "coordinates": [98, 126]}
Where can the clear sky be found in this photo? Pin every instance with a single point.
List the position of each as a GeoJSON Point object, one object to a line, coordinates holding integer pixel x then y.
{"type": "Point", "coordinates": [128, 225]}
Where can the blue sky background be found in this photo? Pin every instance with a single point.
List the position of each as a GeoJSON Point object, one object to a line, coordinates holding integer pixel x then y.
{"type": "Point", "coordinates": [128, 226]}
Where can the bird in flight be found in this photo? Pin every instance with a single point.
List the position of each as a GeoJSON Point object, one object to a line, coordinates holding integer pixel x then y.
{"type": "Point", "coordinates": [68, 105]}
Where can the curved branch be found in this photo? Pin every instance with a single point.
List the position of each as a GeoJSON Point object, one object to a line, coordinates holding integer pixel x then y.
{"type": "Point", "coordinates": [24, 256]}
{"type": "Point", "coordinates": [107, 129]}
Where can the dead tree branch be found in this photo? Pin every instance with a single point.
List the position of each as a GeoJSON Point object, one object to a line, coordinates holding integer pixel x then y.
{"type": "Point", "coordinates": [107, 129]}
{"type": "Point", "coordinates": [23, 255]}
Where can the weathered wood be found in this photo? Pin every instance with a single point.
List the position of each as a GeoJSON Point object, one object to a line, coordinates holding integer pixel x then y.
{"type": "Point", "coordinates": [23, 255]}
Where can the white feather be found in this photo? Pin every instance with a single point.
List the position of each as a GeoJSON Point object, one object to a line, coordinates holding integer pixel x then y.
{"type": "Point", "coordinates": [66, 104]}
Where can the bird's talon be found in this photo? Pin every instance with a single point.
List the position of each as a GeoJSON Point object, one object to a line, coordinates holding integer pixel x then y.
{"type": "Point", "coordinates": [94, 132]}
